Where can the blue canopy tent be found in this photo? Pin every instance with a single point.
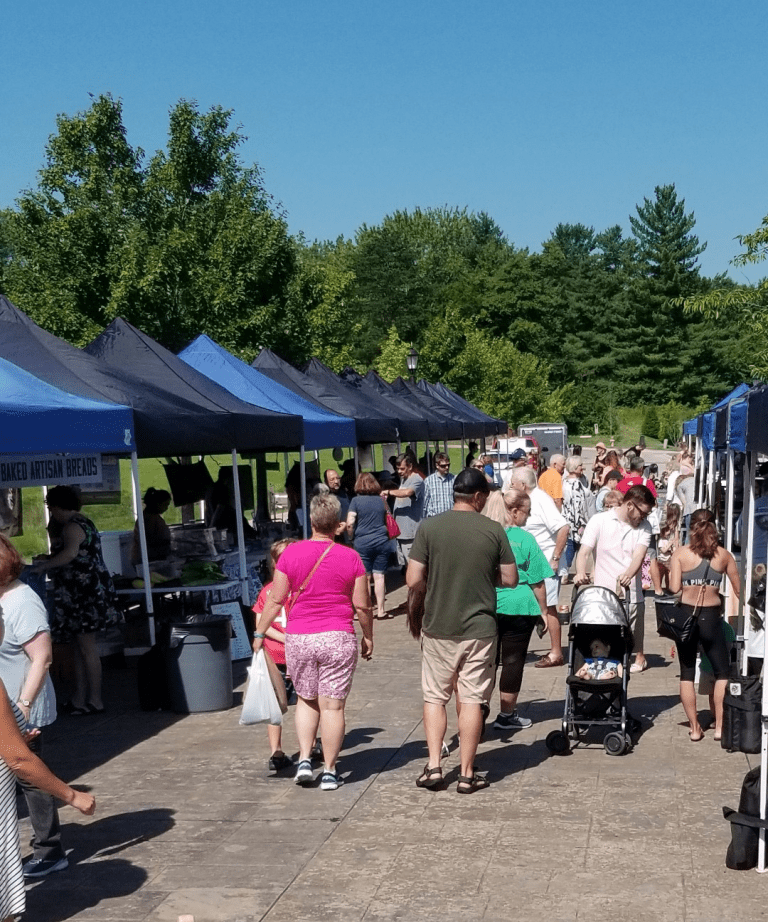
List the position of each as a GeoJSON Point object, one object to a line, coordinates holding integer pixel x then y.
{"type": "Point", "coordinates": [322, 429]}
{"type": "Point", "coordinates": [37, 417]}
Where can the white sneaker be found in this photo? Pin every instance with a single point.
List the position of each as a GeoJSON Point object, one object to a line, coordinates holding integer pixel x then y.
{"type": "Point", "coordinates": [304, 774]}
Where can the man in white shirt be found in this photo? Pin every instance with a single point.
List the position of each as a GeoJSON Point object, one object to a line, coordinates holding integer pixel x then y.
{"type": "Point", "coordinates": [619, 539]}
{"type": "Point", "coordinates": [550, 531]}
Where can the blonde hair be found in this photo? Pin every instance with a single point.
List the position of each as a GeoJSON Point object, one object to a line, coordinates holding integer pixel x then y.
{"type": "Point", "coordinates": [276, 551]}
{"type": "Point", "coordinates": [613, 498]}
{"type": "Point", "coordinates": [514, 498]}
{"type": "Point", "coordinates": [495, 508]}
{"type": "Point", "coordinates": [324, 512]}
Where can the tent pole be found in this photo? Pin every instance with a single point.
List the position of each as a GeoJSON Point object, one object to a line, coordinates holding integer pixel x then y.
{"type": "Point", "coordinates": [729, 483]}
{"type": "Point", "coordinates": [711, 477]}
{"type": "Point", "coordinates": [463, 454]}
{"type": "Point", "coordinates": [763, 763]}
{"type": "Point", "coordinates": [240, 531]}
{"type": "Point", "coordinates": [144, 551]}
{"type": "Point", "coordinates": [748, 517]}
{"type": "Point", "coordinates": [303, 475]}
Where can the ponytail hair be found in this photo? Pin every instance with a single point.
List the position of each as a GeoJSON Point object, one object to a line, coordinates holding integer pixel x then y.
{"type": "Point", "coordinates": [704, 540]}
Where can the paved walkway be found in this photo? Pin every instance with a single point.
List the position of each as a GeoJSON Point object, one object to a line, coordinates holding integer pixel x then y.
{"type": "Point", "coordinates": [189, 821]}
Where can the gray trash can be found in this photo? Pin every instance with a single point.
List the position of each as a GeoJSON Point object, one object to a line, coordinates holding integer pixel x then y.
{"type": "Point", "coordinates": [199, 665]}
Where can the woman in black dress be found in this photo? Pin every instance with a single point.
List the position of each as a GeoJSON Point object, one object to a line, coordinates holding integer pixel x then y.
{"type": "Point", "coordinates": [82, 597]}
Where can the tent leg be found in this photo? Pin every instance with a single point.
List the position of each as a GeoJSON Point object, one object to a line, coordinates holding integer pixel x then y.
{"type": "Point", "coordinates": [748, 519]}
{"type": "Point", "coordinates": [303, 475]}
{"type": "Point", "coordinates": [143, 546]}
{"type": "Point", "coordinates": [240, 533]}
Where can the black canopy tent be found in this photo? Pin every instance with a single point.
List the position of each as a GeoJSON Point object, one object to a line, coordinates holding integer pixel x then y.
{"type": "Point", "coordinates": [430, 407]}
{"type": "Point", "coordinates": [371, 428]}
{"type": "Point", "coordinates": [493, 426]}
{"type": "Point", "coordinates": [179, 420]}
{"type": "Point", "coordinates": [477, 425]}
{"type": "Point", "coordinates": [411, 424]}
{"type": "Point", "coordinates": [168, 421]}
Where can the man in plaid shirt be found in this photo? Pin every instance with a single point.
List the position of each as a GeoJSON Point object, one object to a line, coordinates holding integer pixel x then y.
{"type": "Point", "coordinates": [438, 487]}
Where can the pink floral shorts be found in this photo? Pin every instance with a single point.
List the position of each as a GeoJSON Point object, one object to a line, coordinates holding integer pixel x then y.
{"type": "Point", "coordinates": [321, 664]}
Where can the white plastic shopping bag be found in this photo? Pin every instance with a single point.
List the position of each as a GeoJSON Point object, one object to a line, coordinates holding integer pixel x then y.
{"type": "Point", "coordinates": [260, 702]}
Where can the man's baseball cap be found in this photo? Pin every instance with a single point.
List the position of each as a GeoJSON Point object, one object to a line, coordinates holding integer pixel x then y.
{"type": "Point", "coordinates": [518, 454]}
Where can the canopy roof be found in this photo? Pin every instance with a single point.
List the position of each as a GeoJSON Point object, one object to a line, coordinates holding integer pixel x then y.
{"type": "Point", "coordinates": [166, 422]}
{"type": "Point", "coordinates": [493, 426]}
{"type": "Point", "coordinates": [322, 429]}
{"type": "Point", "coordinates": [411, 424]}
{"type": "Point", "coordinates": [431, 407]}
{"type": "Point", "coordinates": [475, 424]}
{"type": "Point", "coordinates": [37, 417]}
{"type": "Point", "coordinates": [232, 423]}
{"type": "Point", "coordinates": [706, 424]}
{"type": "Point", "coordinates": [370, 427]}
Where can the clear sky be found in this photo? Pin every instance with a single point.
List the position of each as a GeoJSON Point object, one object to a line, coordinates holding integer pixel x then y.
{"type": "Point", "coordinates": [536, 112]}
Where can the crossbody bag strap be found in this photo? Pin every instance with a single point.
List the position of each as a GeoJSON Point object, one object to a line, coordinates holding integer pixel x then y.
{"type": "Point", "coordinates": [309, 576]}
{"type": "Point", "coordinates": [696, 607]}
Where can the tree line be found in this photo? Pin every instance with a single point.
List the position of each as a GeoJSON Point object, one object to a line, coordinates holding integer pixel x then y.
{"type": "Point", "coordinates": [189, 241]}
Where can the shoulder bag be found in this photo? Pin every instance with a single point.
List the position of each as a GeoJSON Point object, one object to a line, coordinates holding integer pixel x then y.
{"type": "Point", "coordinates": [393, 529]}
{"type": "Point", "coordinates": [673, 624]}
{"type": "Point", "coordinates": [289, 603]}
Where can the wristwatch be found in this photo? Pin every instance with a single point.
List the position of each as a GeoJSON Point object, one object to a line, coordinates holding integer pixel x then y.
{"type": "Point", "coordinates": [26, 702]}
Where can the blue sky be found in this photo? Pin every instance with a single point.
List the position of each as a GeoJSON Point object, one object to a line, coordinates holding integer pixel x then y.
{"type": "Point", "coordinates": [534, 112]}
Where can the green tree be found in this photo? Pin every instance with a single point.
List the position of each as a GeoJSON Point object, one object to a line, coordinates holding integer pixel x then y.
{"type": "Point", "coordinates": [666, 243]}
{"type": "Point", "coordinates": [391, 362]}
{"type": "Point", "coordinates": [189, 244]}
{"type": "Point", "coordinates": [651, 422]}
{"type": "Point", "coordinates": [744, 305]}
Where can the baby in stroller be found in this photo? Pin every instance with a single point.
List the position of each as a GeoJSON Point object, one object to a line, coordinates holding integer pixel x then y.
{"type": "Point", "coordinates": [599, 665]}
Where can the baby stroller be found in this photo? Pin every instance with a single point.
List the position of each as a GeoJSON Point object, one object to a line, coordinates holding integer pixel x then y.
{"type": "Point", "coordinates": [599, 621]}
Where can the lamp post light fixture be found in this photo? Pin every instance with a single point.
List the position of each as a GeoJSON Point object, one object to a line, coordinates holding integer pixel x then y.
{"type": "Point", "coordinates": [412, 361]}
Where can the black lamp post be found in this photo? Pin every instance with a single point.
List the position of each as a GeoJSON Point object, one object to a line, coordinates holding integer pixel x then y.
{"type": "Point", "coordinates": [412, 361]}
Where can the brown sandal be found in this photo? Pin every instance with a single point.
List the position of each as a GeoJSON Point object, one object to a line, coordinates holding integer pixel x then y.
{"type": "Point", "coordinates": [430, 777]}
{"type": "Point", "coordinates": [470, 785]}
{"type": "Point", "coordinates": [546, 662]}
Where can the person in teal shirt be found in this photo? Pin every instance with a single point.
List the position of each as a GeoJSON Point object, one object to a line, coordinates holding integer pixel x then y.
{"type": "Point", "coordinates": [518, 610]}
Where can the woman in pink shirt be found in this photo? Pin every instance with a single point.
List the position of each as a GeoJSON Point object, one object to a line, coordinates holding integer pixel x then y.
{"type": "Point", "coordinates": [325, 584]}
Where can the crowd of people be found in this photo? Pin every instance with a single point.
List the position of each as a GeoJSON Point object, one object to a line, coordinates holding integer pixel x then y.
{"type": "Point", "coordinates": [484, 553]}
{"type": "Point", "coordinates": [482, 584]}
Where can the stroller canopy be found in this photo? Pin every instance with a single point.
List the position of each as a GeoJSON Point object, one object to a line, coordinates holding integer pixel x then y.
{"type": "Point", "coordinates": [596, 605]}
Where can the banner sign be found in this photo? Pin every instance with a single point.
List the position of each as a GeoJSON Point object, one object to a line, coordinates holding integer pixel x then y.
{"type": "Point", "coordinates": [49, 470]}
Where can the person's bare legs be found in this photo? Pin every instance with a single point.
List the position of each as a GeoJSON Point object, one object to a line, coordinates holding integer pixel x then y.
{"type": "Point", "coordinates": [275, 737]}
{"type": "Point", "coordinates": [688, 699]}
{"type": "Point", "coordinates": [656, 576]}
{"type": "Point", "coordinates": [306, 720]}
{"type": "Point", "coordinates": [331, 729]}
{"type": "Point", "coordinates": [379, 587]}
{"type": "Point", "coordinates": [470, 729]}
{"type": "Point", "coordinates": [435, 724]}
{"type": "Point", "coordinates": [554, 630]}
{"type": "Point", "coordinates": [717, 700]}
{"type": "Point", "coordinates": [87, 672]}
{"type": "Point", "coordinates": [508, 701]}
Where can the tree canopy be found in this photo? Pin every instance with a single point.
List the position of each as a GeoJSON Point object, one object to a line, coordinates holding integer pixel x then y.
{"type": "Point", "coordinates": [188, 241]}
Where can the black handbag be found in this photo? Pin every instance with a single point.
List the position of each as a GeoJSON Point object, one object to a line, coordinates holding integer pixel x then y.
{"type": "Point", "coordinates": [745, 825]}
{"type": "Point", "coordinates": [742, 715]}
{"type": "Point", "coordinates": [672, 622]}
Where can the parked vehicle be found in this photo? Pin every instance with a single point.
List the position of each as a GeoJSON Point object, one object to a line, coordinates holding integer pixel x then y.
{"type": "Point", "coordinates": [551, 437]}
{"type": "Point", "coordinates": [503, 450]}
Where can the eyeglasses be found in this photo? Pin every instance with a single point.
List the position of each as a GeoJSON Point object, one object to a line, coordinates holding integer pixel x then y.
{"type": "Point", "coordinates": [445, 464]}
{"type": "Point", "coordinates": [638, 510]}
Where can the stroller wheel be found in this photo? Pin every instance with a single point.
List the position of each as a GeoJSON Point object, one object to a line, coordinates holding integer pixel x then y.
{"type": "Point", "coordinates": [558, 743]}
{"type": "Point", "coordinates": [629, 743]}
{"type": "Point", "coordinates": [614, 744]}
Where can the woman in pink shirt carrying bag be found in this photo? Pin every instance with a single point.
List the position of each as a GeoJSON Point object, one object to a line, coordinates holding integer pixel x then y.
{"type": "Point", "coordinates": [323, 585]}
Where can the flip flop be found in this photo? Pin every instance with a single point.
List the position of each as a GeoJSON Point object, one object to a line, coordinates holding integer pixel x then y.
{"type": "Point", "coordinates": [697, 739]}
{"type": "Point", "coordinates": [639, 667]}
{"type": "Point", "coordinates": [546, 662]}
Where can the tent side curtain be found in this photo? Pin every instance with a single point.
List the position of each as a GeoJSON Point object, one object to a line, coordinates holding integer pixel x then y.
{"type": "Point", "coordinates": [737, 425]}
{"type": "Point", "coordinates": [708, 430]}
{"type": "Point", "coordinates": [36, 417]}
{"type": "Point", "coordinates": [757, 421]}
{"type": "Point", "coordinates": [721, 428]}
{"type": "Point", "coordinates": [690, 426]}
{"type": "Point", "coordinates": [322, 428]}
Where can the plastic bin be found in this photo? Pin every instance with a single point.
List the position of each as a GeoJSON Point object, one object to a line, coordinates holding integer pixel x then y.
{"type": "Point", "coordinates": [199, 665]}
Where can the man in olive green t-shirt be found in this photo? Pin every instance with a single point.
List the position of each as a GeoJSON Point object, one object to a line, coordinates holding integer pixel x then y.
{"type": "Point", "coordinates": [458, 558]}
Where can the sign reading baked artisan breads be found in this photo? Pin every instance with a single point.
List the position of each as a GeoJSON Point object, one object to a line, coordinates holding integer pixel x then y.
{"type": "Point", "coordinates": [49, 470]}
